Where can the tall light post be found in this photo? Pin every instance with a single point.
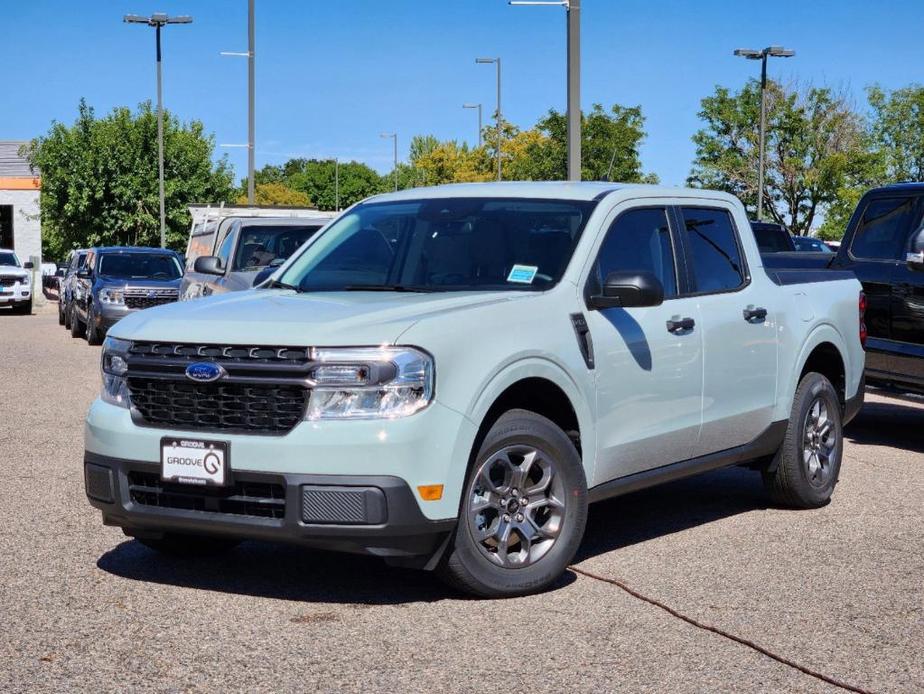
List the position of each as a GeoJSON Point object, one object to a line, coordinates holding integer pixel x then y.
{"type": "Point", "coordinates": [394, 136]}
{"type": "Point", "coordinates": [251, 76]}
{"type": "Point", "coordinates": [573, 10]}
{"type": "Point", "coordinates": [478, 106]}
{"type": "Point", "coordinates": [158, 20]}
{"type": "Point", "coordinates": [762, 55]}
{"type": "Point", "coordinates": [497, 114]}
{"type": "Point", "coordinates": [337, 183]}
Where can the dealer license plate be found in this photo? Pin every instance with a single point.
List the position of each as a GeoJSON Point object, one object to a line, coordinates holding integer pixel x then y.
{"type": "Point", "coordinates": [194, 461]}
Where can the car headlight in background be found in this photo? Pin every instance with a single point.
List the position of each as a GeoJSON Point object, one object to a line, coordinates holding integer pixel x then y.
{"type": "Point", "coordinates": [114, 366]}
{"type": "Point", "coordinates": [370, 382]}
{"type": "Point", "coordinates": [24, 280]}
{"type": "Point", "coordinates": [112, 296]}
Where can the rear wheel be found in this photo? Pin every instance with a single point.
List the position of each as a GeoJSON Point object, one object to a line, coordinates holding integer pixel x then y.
{"type": "Point", "coordinates": [189, 545]}
{"type": "Point", "coordinates": [67, 315]}
{"type": "Point", "coordinates": [61, 318]}
{"type": "Point", "coordinates": [805, 470]}
{"type": "Point", "coordinates": [523, 513]}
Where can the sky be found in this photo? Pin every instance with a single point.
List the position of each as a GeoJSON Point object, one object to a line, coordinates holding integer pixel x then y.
{"type": "Point", "coordinates": [332, 76]}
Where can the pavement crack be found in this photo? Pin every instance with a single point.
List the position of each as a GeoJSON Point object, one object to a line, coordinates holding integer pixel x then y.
{"type": "Point", "coordinates": [721, 632]}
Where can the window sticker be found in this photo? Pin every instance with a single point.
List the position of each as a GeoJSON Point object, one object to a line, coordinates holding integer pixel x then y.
{"type": "Point", "coordinates": [522, 274]}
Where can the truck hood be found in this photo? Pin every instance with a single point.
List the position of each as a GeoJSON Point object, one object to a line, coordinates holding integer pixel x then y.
{"type": "Point", "coordinates": [143, 283]}
{"type": "Point", "coordinates": [13, 271]}
{"type": "Point", "coordinates": [286, 318]}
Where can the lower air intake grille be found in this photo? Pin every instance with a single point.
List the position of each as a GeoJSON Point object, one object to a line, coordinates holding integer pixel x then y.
{"type": "Point", "coordinates": [260, 499]}
{"type": "Point", "coordinates": [272, 409]}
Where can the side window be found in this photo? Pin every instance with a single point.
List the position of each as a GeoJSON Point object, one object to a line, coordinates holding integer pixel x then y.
{"type": "Point", "coordinates": [224, 251]}
{"type": "Point", "coordinates": [714, 248]}
{"type": "Point", "coordinates": [883, 230]}
{"type": "Point", "coordinates": [639, 240]}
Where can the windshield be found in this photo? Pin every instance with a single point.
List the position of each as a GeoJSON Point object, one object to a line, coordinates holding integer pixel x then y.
{"type": "Point", "coordinates": [258, 246]}
{"type": "Point", "coordinates": [806, 244]}
{"type": "Point", "coordinates": [453, 244]}
{"type": "Point", "coordinates": [9, 259]}
{"type": "Point", "coordinates": [156, 266]}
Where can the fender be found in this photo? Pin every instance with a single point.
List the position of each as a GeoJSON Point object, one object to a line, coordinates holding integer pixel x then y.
{"type": "Point", "coordinates": [542, 366]}
{"type": "Point", "coordinates": [822, 332]}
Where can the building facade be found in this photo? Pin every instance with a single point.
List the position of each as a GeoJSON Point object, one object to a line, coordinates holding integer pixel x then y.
{"type": "Point", "coordinates": [20, 216]}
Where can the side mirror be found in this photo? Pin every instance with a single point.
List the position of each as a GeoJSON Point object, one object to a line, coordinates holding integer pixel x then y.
{"type": "Point", "coordinates": [84, 273]}
{"type": "Point", "coordinates": [209, 265]}
{"type": "Point", "coordinates": [629, 289]}
{"type": "Point", "coordinates": [28, 265]}
{"type": "Point", "coordinates": [915, 258]}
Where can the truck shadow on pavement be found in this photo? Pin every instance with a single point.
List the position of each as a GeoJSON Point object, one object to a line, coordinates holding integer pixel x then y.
{"type": "Point", "coordinates": [895, 424]}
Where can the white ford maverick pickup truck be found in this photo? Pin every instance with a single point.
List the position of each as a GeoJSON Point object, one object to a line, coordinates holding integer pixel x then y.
{"type": "Point", "coordinates": [446, 377]}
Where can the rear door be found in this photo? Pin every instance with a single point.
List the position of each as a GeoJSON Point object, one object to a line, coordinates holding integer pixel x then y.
{"type": "Point", "coordinates": [882, 231]}
{"type": "Point", "coordinates": [907, 361]}
{"type": "Point", "coordinates": [738, 330]}
{"type": "Point", "coordinates": [648, 377]}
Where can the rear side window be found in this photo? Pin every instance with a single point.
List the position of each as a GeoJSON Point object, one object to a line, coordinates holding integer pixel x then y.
{"type": "Point", "coordinates": [714, 249]}
{"type": "Point", "coordinates": [883, 230]}
{"type": "Point", "coordinates": [639, 240]}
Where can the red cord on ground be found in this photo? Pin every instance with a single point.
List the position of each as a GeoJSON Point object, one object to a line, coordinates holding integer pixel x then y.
{"type": "Point", "coordinates": [720, 632]}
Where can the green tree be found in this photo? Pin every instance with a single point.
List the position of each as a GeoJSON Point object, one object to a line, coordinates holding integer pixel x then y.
{"type": "Point", "coordinates": [99, 178]}
{"type": "Point", "coordinates": [318, 179]}
{"type": "Point", "coordinates": [276, 194]}
{"type": "Point", "coordinates": [897, 131]}
{"type": "Point", "coordinates": [815, 150]}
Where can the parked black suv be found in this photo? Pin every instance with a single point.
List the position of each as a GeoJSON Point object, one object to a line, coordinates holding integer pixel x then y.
{"type": "Point", "coordinates": [116, 281]}
{"type": "Point", "coordinates": [884, 246]}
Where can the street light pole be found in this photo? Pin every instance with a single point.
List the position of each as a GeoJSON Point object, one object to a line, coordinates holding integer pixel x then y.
{"type": "Point", "coordinates": [573, 10]}
{"type": "Point", "coordinates": [337, 183]}
{"type": "Point", "coordinates": [394, 136]}
{"type": "Point", "coordinates": [499, 118]}
{"type": "Point", "coordinates": [478, 106]}
{"type": "Point", "coordinates": [158, 20]}
{"type": "Point", "coordinates": [762, 55]}
{"type": "Point", "coordinates": [251, 74]}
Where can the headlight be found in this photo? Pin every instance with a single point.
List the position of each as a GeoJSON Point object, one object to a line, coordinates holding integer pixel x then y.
{"type": "Point", "coordinates": [370, 383]}
{"type": "Point", "coordinates": [112, 296]}
{"type": "Point", "coordinates": [24, 281]}
{"type": "Point", "coordinates": [114, 366]}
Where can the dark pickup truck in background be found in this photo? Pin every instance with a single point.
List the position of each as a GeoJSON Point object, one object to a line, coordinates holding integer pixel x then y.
{"type": "Point", "coordinates": [884, 246]}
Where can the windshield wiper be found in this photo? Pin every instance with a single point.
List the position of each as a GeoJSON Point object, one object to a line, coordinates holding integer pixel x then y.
{"type": "Point", "coordinates": [386, 288]}
{"type": "Point", "coordinates": [277, 284]}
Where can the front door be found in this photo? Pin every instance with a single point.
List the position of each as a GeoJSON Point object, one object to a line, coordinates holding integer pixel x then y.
{"type": "Point", "coordinates": [648, 377]}
{"type": "Point", "coordinates": [908, 314]}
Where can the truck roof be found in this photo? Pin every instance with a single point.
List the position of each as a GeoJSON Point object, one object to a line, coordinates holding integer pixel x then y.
{"type": "Point", "coordinates": [132, 249]}
{"type": "Point", "coordinates": [552, 190]}
{"type": "Point", "coordinates": [909, 186]}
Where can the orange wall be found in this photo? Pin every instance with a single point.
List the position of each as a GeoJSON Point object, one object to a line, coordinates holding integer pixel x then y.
{"type": "Point", "coordinates": [16, 183]}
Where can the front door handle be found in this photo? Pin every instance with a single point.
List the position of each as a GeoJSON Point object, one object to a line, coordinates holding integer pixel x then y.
{"type": "Point", "coordinates": [680, 325]}
{"type": "Point", "coordinates": [755, 314]}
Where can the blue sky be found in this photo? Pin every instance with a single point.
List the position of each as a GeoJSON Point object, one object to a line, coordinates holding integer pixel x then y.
{"type": "Point", "coordinates": [331, 76]}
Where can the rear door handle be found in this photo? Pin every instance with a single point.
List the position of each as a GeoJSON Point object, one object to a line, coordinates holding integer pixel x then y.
{"type": "Point", "coordinates": [755, 314]}
{"type": "Point", "coordinates": [680, 325]}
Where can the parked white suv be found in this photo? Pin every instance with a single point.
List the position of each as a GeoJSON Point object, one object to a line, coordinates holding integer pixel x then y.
{"type": "Point", "coordinates": [15, 282]}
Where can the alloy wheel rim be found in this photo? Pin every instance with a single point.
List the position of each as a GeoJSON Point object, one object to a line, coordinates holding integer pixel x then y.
{"type": "Point", "coordinates": [819, 442]}
{"type": "Point", "coordinates": [516, 506]}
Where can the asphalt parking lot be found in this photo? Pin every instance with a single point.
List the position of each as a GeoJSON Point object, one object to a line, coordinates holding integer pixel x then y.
{"type": "Point", "coordinates": [839, 591]}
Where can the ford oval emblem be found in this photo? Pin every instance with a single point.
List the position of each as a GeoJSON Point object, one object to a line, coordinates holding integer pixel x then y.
{"type": "Point", "coordinates": [204, 371]}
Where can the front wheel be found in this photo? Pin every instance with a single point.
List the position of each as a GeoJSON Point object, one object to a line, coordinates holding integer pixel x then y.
{"type": "Point", "coordinates": [76, 326]}
{"type": "Point", "coordinates": [805, 470]}
{"type": "Point", "coordinates": [94, 335]}
{"type": "Point", "coordinates": [60, 313]}
{"type": "Point", "coordinates": [523, 512]}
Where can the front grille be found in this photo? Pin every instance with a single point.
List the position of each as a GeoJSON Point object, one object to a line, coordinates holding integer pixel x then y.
{"type": "Point", "coordinates": [8, 281]}
{"type": "Point", "coordinates": [243, 498]}
{"type": "Point", "coordinates": [218, 406]}
{"type": "Point", "coordinates": [146, 298]}
{"type": "Point", "coordinates": [241, 354]}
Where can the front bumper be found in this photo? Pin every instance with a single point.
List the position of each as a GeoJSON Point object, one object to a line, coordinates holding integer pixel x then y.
{"type": "Point", "coordinates": [375, 515]}
{"type": "Point", "coordinates": [16, 295]}
{"type": "Point", "coordinates": [109, 314]}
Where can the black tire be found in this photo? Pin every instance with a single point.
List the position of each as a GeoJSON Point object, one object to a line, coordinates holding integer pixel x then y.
{"type": "Point", "coordinates": [24, 309]}
{"type": "Point", "coordinates": [477, 566]}
{"type": "Point", "coordinates": [60, 313]}
{"type": "Point", "coordinates": [77, 327]}
{"type": "Point", "coordinates": [67, 315]}
{"type": "Point", "coordinates": [794, 478]}
{"type": "Point", "coordinates": [93, 333]}
{"type": "Point", "coordinates": [177, 545]}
